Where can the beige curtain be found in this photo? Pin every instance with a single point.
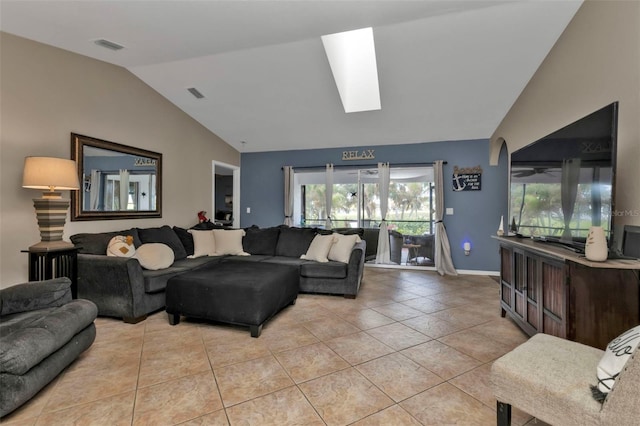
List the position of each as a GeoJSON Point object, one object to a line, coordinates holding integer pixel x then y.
{"type": "Point", "coordinates": [288, 195]}
{"type": "Point", "coordinates": [443, 262]}
{"type": "Point", "coordinates": [94, 191]}
{"type": "Point", "coordinates": [124, 189]}
{"type": "Point", "coordinates": [384, 250]}
{"type": "Point", "coordinates": [328, 194]}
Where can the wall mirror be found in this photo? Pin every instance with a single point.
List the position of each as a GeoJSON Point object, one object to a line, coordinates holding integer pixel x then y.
{"type": "Point", "coordinates": [116, 181]}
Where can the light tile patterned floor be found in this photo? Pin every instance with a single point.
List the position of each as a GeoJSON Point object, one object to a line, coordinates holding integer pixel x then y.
{"type": "Point", "coordinates": [414, 348]}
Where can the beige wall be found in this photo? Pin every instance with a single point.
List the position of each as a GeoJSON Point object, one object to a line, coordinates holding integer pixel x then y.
{"type": "Point", "coordinates": [47, 93]}
{"type": "Point", "coordinates": [595, 62]}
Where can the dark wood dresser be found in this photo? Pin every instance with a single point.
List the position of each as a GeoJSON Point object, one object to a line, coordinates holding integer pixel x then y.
{"type": "Point", "coordinates": [552, 290]}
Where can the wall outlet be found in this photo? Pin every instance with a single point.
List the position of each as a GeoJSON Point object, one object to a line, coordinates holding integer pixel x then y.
{"type": "Point", "coordinates": [449, 211]}
{"type": "Point", "coordinates": [248, 209]}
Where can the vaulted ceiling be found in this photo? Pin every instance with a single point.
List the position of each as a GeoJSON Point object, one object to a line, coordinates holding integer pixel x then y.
{"type": "Point", "coordinates": [447, 69]}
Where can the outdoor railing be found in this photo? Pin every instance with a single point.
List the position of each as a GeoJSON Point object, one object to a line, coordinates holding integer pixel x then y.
{"type": "Point", "coordinates": [405, 227]}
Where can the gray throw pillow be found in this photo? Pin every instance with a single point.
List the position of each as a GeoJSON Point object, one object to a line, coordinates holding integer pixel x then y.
{"type": "Point", "coordinates": [97, 243]}
{"type": "Point", "coordinates": [294, 242]}
{"type": "Point", "coordinates": [350, 231]}
{"type": "Point", "coordinates": [260, 241]}
{"type": "Point", "coordinates": [186, 238]}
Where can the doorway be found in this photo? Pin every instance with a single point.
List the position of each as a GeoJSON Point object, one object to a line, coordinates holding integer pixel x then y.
{"type": "Point", "coordinates": [225, 208]}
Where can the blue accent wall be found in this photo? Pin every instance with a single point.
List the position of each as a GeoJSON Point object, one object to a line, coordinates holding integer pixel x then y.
{"type": "Point", "coordinates": [476, 213]}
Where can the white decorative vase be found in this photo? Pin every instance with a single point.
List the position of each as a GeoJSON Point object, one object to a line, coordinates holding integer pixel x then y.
{"type": "Point", "coordinates": [596, 247]}
{"type": "Point", "coordinates": [501, 227]}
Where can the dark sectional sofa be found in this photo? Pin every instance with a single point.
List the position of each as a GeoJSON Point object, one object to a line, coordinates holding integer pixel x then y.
{"type": "Point", "coordinates": [121, 288]}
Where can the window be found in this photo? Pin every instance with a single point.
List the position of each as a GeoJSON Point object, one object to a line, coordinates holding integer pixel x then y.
{"type": "Point", "coordinates": [356, 202]}
{"type": "Point", "coordinates": [138, 198]}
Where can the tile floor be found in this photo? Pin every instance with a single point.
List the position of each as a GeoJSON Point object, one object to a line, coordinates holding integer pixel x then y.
{"type": "Point", "coordinates": [414, 348]}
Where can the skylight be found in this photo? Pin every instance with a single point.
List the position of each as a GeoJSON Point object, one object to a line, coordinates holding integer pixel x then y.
{"type": "Point", "coordinates": [352, 57]}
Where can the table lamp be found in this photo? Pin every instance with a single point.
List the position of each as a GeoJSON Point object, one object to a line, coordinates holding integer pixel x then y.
{"type": "Point", "coordinates": [52, 175]}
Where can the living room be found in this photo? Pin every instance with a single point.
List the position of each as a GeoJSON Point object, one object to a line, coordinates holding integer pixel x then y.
{"type": "Point", "coordinates": [65, 92]}
{"type": "Point", "coordinates": [47, 93]}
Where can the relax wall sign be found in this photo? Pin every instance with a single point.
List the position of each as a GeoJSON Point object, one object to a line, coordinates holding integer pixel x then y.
{"type": "Point", "coordinates": [365, 154]}
{"type": "Point", "coordinates": [467, 178]}
{"type": "Point", "coordinates": [143, 162]}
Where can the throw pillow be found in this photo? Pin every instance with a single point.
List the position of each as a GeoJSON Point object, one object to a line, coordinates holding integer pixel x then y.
{"type": "Point", "coordinates": [341, 250]}
{"type": "Point", "coordinates": [164, 235]}
{"type": "Point", "coordinates": [319, 248]}
{"type": "Point", "coordinates": [350, 231]}
{"type": "Point", "coordinates": [186, 238]}
{"type": "Point", "coordinates": [229, 242]}
{"type": "Point", "coordinates": [97, 243]}
{"type": "Point", "coordinates": [260, 241]}
{"type": "Point", "coordinates": [155, 256]}
{"type": "Point", "coordinates": [616, 355]}
{"type": "Point", "coordinates": [294, 242]}
{"type": "Point", "coordinates": [203, 243]}
{"type": "Point", "coordinates": [121, 246]}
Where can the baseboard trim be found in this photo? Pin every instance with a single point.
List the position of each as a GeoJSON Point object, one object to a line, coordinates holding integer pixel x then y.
{"type": "Point", "coordinates": [404, 267]}
{"type": "Point", "coordinates": [431, 268]}
{"type": "Point", "coordinates": [476, 272]}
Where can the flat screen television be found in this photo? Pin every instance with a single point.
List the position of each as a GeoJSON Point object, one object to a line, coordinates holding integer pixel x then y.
{"type": "Point", "coordinates": [631, 241]}
{"type": "Point", "coordinates": [563, 183]}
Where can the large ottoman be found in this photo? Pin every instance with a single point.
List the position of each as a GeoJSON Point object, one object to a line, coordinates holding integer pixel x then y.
{"type": "Point", "coordinates": [234, 292]}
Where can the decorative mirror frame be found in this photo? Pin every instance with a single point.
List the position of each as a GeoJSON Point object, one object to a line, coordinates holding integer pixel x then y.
{"type": "Point", "coordinates": [78, 143]}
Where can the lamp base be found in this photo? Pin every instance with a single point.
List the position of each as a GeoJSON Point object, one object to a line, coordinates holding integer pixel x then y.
{"type": "Point", "coordinates": [51, 214]}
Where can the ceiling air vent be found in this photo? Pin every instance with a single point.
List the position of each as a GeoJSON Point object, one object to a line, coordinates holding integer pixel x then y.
{"type": "Point", "coordinates": [108, 44]}
{"type": "Point", "coordinates": [195, 92]}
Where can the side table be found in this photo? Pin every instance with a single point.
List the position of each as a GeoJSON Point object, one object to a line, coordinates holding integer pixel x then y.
{"type": "Point", "coordinates": [63, 262]}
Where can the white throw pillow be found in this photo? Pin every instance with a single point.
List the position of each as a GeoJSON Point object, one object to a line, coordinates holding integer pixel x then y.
{"type": "Point", "coordinates": [616, 355]}
{"type": "Point", "coordinates": [203, 243]}
{"type": "Point", "coordinates": [319, 248]}
{"type": "Point", "coordinates": [155, 256]}
{"type": "Point", "coordinates": [121, 246]}
{"type": "Point", "coordinates": [341, 250]}
{"type": "Point", "coordinates": [229, 241]}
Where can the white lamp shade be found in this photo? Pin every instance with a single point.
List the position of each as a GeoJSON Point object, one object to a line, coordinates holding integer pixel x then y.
{"type": "Point", "coordinates": [50, 173]}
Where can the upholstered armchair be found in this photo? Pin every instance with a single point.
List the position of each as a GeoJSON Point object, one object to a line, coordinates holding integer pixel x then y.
{"type": "Point", "coordinates": [42, 331]}
{"type": "Point", "coordinates": [552, 378]}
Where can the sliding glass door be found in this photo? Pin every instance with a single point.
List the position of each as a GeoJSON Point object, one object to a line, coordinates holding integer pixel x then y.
{"type": "Point", "coordinates": [411, 198]}
{"type": "Point", "coordinates": [356, 200]}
